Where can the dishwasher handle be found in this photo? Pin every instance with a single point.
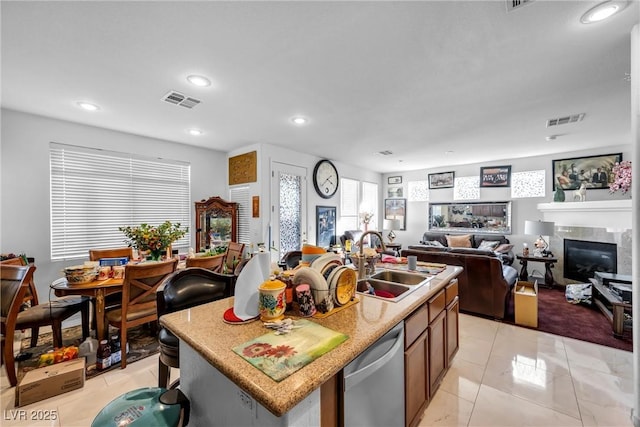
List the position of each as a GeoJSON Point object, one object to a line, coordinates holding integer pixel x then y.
{"type": "Point", "coordinates": [356, 377]}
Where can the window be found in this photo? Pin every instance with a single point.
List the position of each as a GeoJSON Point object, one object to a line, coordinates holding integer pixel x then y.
{"type": "Point", "coordinates": [357, 197]}
{"type": "Point", "coordinates": [240, 195]}
{"type": "Point", "coordinates": [93, 192]}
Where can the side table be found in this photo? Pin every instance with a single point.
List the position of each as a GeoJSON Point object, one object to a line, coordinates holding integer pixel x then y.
{"type": "Point", "coordinates": [394, 247]}
{"type": "Point", "coordinates": [549, 281]}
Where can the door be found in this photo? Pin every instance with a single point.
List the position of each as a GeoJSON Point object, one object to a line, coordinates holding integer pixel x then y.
{"type": "Point", "coordinates": [288, 208]}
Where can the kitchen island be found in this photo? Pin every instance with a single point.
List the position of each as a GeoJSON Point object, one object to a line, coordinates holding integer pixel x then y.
{"type": "Point", "coordinates": [206, 344]}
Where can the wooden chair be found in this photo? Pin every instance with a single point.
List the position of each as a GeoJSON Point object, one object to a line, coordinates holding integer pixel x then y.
{"type": "Point", "coordinates": [233, 255]}
{"type": "Point", "coordinates": [139, 297]}
{"type": "Point", "coordinates": [185, 289]}
{"type": "Point", "coordinates": [14, 284]}
{"type": "Point", "coordinates": [96, 254]}
{"type": "Point", "coordinates": [213, 263]}
{"type": "Point", "coordinates": [31, 296]}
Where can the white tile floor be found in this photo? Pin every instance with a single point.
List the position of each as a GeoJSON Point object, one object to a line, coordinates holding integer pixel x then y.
{"type": "Point", "coordinates": [503, 375]}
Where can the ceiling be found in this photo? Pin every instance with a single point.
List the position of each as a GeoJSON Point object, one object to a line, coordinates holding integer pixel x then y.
{"type": "Point", "coordinates": [416, 78]}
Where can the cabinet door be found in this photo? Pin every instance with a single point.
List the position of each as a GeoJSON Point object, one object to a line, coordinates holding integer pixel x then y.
{"type": "Point", "coordinates": [437, 351]}
{"type": "Point", "coordinates": [452, 330]}
{"type": "Point", "coordinates": [416, 383]}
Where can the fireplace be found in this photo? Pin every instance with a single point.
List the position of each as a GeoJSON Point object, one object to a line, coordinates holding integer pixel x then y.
{"type": "Point", "coordinates": [583, 258]}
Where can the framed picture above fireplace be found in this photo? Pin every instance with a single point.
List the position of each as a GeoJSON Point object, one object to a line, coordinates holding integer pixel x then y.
{"type": "Point", "coordinates": [592, 171]}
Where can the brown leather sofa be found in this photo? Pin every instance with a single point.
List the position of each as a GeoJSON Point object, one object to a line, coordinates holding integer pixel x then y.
{"type": "Point", "coordinates": [485, 283]}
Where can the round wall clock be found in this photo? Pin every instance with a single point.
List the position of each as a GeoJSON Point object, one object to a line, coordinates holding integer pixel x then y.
{"type": "Point", "coordinates": [325, 179]}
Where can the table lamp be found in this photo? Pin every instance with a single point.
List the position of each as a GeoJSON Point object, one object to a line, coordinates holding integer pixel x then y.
{"type": "Point", "coordinates": [540, 228]}
{"type": "Point", "coordinates": [391, 224]}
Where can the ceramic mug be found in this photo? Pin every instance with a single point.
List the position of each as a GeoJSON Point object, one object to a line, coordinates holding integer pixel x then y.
{"type": "Point", "coordinates": [271, 300]}
{"type": "Point", "coordinates": [104, 272]}
{"type": "Point", "coordinates": [306, 306]}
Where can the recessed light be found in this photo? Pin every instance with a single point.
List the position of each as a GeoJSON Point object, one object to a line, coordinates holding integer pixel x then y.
{"type": "Point", "coordinates": [299, 120]}
{"type": "Point", "coordinates": [448, 152]}
{"type": "Point", "coordinates": [195, 132]}
{"type": "Point", "coordinates": [87, 106]}
{"type": "Point", "coordinates": [200, 81]}
{"type": "Point", "coordinates": [603, 11]}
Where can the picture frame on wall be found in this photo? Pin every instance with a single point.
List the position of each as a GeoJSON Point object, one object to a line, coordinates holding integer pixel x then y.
{"type": "Point", "coordinates": [396, 209]}
{"type": "Point", "coordinates": [394, 180]}
{"type": "Point", "coordinates": [441, 180]}
{"type": "Point", "coordinates": [592, 171]}
{"type": "Point", "coordinates": [325, 226]}
{"type": "Point", "coordinates": [395, 192]}
{"type": "Point", "coordinates": [495, 176]}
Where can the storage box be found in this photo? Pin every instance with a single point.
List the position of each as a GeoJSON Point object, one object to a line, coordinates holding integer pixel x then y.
{"type": "Point", "coordinates": [113, 261]}
{"type": "Point", "coordinates": [526, 303]}
{"type": "Point", "coordinates": [49, 381]}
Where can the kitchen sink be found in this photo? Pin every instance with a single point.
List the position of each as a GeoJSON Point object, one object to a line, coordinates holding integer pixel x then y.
{"type": "Point", "coordinates": [403, 277]}
{"type": "Point", "coordinates": [391, 285]}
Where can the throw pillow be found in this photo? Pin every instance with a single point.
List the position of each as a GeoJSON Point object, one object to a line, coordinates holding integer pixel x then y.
{"type": "Point", "coordinates": [434, 243]}
{"type": "Point", "coordinates": [463, 241]}
{"type": "Point", "coordinates": [488, 244]}
{"type": "Point", "coordinates": [504, 248]}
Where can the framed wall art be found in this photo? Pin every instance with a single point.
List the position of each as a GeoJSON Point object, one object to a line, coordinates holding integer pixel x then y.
{"type": "Point", "coordinates": [441, 180]}
{"type": "Point", "coordinates": [396, 209]}
{"type": "Point", "coordinates": [395, 192]}
{"type": "Point", "coordinates": [394, 180]}
{"type": "Point", "coordinates": [325, 225]}
{"type": "Point", "coordinates": [592, 171]}
{"type": "Point", "coordinates": [495, 176]}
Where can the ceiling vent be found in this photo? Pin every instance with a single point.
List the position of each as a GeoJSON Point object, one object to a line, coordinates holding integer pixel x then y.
{"type": "Point", "coordinates": [565, 120]}
{"type": "Point", "coordinates": [384, 153]}
{"type": "Point", "coordinates": [177, 98]}
{"type": "Point", "coordinates": [517, 4]}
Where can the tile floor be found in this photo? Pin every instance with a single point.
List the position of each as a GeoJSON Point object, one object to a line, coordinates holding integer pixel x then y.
{"type": "Point", "coordinates": [503, 375]}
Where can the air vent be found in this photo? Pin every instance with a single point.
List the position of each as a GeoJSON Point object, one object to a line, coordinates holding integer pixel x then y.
{"type": "Point", "coordinates": [565, 120]}
{"type": "Point", "coordinates": [517, 4]}
{"type": "Point", "coordinates": [384, 153]}
{"type": "Point", "coordinates": [177, 98]}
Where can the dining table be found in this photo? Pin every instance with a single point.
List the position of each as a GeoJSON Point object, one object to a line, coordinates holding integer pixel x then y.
{"type": "Point", "coordinates": [98, 290]}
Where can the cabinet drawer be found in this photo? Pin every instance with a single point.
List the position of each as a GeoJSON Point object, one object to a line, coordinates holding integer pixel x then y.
{"type": "Point", "coordinates": [451, 291]}
{"type": "Point", "coordinates": [415, 325]}
{"type": "Point", "coordinates": [436, 305]}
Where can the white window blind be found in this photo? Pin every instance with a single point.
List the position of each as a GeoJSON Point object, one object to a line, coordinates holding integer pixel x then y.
{"type": "Point", "coordinates": [93, 192]}
{"type": "Point", "coordinates": [369, 202]}
{"type": "Point", "coordinates": [240, 195]}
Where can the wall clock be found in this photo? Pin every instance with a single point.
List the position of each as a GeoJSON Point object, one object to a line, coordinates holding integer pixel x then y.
{"type": "Point", "coordinates": [325, 179]}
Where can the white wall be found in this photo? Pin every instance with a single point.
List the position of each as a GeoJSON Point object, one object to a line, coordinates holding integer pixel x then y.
{"type": "Point", "coordinates": [25, 209]}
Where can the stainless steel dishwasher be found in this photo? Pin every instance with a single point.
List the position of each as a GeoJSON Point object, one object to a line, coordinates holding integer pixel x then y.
{"type": "Point", "coordinates": [374, 383]}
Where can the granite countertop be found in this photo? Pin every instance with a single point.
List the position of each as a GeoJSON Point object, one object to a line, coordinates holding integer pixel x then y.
{"type": "Point", "coordinates": [203, 329]}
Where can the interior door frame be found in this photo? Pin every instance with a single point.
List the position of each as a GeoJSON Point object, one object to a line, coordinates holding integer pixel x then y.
{"type": "Point", "coordinates": [274, 218]}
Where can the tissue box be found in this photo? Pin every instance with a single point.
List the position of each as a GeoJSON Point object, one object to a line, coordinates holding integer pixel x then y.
{"type": "Point", "coordinates": [43, 383]}
{"type": "Point", "coordinates": [526, 304]}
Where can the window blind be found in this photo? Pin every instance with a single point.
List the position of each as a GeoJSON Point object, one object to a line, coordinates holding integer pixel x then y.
{"type": "Point", "coordinates": [93, 192]}
{"type": "Point", "coordinates": [349, 203]}
{"type": "Point", "coordinates": [240, 195]}
{"type": "Point", "coordinates": [369, 202]}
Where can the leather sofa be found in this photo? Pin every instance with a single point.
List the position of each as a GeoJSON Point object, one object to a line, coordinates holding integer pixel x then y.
{"type": "Point", "coordinates": [354, 236]}
{"type": "Point", "coordinates": [486, 282]}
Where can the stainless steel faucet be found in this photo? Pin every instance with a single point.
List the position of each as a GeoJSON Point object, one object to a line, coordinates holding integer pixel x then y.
{"type": "Point", "coordinates": [361, 261]}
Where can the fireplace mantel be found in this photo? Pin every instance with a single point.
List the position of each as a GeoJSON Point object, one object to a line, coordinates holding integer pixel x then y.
{"type": "Point", "coordinates": [599, 213]}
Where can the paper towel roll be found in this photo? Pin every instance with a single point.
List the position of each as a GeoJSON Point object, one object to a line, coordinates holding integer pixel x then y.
{"type": "Point", "coordinates": [256, 271]}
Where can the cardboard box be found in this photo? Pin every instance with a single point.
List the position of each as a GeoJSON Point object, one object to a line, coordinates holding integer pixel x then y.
{"type": "Point", "coordinates": [526, 303]}
{"type": "Point", "coordinates": [49, 381]}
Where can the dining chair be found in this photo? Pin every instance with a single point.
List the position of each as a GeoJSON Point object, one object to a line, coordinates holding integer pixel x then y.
{"type": "Point", "coordinates": [138, 304]}
{"type": "Point", "coordinates": [14, 282]}
{"type": "Point", "coordinates": [233, 255]}
{"type": "Point", "coordinates": [31, 295]}
{"type": "Point", "coordinates": [97, 254]}
{"type": "Point", "coordinates": [213, 263]}
{"type": "Point", "coordinates": [290, 260]}
{"type": "Point", "coordinates": [185, 289]}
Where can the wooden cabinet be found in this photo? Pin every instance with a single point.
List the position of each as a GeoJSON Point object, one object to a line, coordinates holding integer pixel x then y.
{"type": "Point", "coordinates": [431, 341]}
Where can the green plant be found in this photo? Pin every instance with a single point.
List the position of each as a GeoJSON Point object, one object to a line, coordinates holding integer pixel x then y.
{"type": "Point", "coordinates": [153, 238]}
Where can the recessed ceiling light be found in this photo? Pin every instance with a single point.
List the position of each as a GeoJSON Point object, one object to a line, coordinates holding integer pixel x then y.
{"type": "Point", "coordinates": [200, 81]}
{"type": "Point", "coordinates": [299, 120]}
{"type": "Point", "coordinates": [195, 132]}
{"type": "Point", "coordinates": [448, 152]}
{"type": "Point", "coordinates": [603, 11]}
{"type": "Point", "coordinates": [87, 106]}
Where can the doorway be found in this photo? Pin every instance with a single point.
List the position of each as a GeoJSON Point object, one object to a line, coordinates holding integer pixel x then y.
{"type": "Point", "coordinates": [288, 209]}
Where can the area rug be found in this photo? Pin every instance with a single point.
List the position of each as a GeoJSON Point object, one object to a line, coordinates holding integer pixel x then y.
{"type": "Point", "coordinates": [580, 321]}
{"type": "Point", "coordinates": [142, 343]}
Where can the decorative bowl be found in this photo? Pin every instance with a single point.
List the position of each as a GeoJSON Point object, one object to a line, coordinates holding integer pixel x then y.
{"type": "Point", "coordinates": [80, 274]}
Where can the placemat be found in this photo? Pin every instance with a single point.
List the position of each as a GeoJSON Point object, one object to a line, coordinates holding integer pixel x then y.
{"type": "Point", "coordinates": [279, 356]}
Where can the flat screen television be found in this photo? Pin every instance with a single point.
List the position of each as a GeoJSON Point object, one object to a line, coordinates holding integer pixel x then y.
{"type": "Point", "coordinates": [583, 258]}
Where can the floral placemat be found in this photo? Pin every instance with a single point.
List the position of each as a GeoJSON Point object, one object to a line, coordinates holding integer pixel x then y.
{"type": "Point", "coordinates": [279, 356]}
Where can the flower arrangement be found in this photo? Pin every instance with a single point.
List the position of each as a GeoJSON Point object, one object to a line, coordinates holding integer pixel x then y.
{"type": "Point", "coordinates": [155, 239]}
{"type": "Point", "coordinates": [621, 177]}
{"type": "Point", "coordinates": [366, 217]}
